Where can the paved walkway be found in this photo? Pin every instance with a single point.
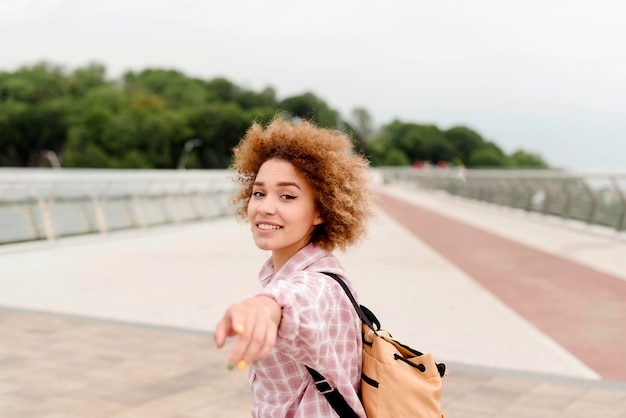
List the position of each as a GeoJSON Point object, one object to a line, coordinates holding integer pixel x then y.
{"type": "Point", "coordinates": [120, 326]}
{"type": "Point", "coordinates": [579, 307]}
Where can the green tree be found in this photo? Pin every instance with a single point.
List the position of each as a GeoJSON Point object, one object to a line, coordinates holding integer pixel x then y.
{"type": "Point", "coordinates": [82, 80]}
{"type": "Point", "coordinates": [464, 142]}
{"type": "Point", "coordinates": [222, 90]}
{"type": "Point", "coordinates": [521, 158]}
{"type": "Point", "coordinates": [11, 146]}
{"type": "Point", "coordinates": [418, 142]}
{"type": "Point", "coordinates": [173, 87]}
{"type": "Point", "coordinates": [27, 130]}
{"type": "Point", "coordinates": [309, 107]}
{"type": "Point", "coordinates": [81, 153]}
{"type": "Point", "coordinates": [148, 127]}
{"type": "Point", "coordinates": [16, 89]}
{"type": "Point", "coordinates": [395, 157]}
{"type": "Point", "coordinates": [34, 113]}
{"type": "Point", "coordinates": [363, 123]}
{"type": "Point", "coordinates": [145, 119]}
{"type": "Point", "coordinates": [249, 99]}
{"type": "Point", "coordinates": [219, 127]}
{"type": "Point", "coordinates": [490, 156]}
{"type": "Point", "coordinates": [36, 84]}
{"type": "Point", "coordinates": [91, 122]}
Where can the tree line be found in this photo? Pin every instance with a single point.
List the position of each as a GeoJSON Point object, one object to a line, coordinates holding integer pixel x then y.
{"type": "Point", "coordinates": [159, 118]}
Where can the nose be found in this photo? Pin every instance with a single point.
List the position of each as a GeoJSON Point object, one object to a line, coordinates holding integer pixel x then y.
{"type": "Point", "coordinates": [266, 206]}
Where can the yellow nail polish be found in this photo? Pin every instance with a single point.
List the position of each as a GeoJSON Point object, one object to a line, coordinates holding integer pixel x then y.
{"type": "Point", "coordinates": [241, 365]}
{"type": "Point", "coordinates": [239, 328]}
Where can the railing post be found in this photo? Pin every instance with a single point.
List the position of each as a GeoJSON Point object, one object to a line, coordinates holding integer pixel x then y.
{"type": "Point", "coordinates": [621, 220]}
{"type": "Point", "coordinates": [547, 197]}
{"type": "Point", "coordinates": [592, 206]}
{"type": "Point", "coordinates": [98, 204]}
{"type": "Point", "coordinates": [192, 197]}
{"type": "Point", "coordinates": [29, 212]}
{"type": "Point", "coordinates": [139, 199]}
{"type": "Point", "coordinates": [46, 219]}
{"type": "Point", "coordinates": [206, 200]}
{"type": "Point", "coordinates": [568, 203]}
{"type": "Point", "coordinates": [178, 218]}
{"type": "Point", "coordinates": [531, 194]}
{"type": "Point", "coordinates": [45, 206]}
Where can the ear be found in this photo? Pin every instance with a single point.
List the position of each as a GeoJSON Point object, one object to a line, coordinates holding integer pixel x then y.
{"type": "Point", "coordinates": [318, 220]}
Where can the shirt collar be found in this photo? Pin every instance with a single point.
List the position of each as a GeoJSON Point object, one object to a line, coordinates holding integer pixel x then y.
{"type": "Point", "coordinates": [298, 262]}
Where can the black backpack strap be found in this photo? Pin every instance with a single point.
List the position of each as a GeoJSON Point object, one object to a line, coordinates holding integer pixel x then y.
{"type": "Point", "coordinates": [367, 317]}
{"type": "Point", "coordinates": [332, 395]}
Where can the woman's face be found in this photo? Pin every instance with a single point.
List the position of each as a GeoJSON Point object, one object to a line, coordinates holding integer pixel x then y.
{"type": "Point", "coordinates": [281, 210]}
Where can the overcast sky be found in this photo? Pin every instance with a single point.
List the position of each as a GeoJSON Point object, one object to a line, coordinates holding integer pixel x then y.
{"type": "Point", "coordinates": [546, 76]}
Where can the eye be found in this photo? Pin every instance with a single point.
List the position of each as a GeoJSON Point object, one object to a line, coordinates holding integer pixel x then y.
{"type": "Point", "coordinates": [258, 194]}
{"type": "Point", "coordinates": [287, 196]}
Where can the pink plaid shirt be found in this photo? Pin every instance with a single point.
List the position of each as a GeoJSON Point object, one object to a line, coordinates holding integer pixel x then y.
{"type": "Point", "coordinates": [319, 328]}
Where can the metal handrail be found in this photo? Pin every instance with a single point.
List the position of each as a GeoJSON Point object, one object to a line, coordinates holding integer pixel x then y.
{"type": "Point", "coordinates": [38, 204]}
{"type": "Point", "coordinates": [593, 197]}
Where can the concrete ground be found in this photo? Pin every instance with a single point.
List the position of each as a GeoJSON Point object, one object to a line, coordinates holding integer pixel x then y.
{"type": "Point", "coordinates": [527, 312]}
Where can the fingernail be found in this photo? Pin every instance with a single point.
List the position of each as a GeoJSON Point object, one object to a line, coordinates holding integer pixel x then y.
{"type": "Point", "coordinates": [239, 328]}
{"type": "Point", "coordinates": [231, 365]}
{"type": "Point", "coordinates": [241, 365]}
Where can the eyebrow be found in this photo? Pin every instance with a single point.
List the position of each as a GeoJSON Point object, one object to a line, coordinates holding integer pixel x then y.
{"type": "Point", "coordinates": [281, 184]}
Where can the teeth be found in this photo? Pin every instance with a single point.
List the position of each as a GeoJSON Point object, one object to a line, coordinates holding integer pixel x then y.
{"type": "Point", "coordinates": [267, 226]}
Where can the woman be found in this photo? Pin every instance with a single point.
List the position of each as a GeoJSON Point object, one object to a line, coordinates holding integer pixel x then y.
{"type": "Point", "coordinates": [305, 193]}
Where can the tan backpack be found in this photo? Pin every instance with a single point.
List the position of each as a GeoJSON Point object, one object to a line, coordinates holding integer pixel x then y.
{"type": "Point", "coordinates": [396, 381]}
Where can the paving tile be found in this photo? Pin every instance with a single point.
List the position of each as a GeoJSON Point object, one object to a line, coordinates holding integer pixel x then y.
{"type": "Point", "coordinates": [605, 396]}
{"type": "Point", "coordinates": [226, 407]}
{"type": "Point", "coordinates": [585, 408]}
{"type": "Point", "coordinates": [555, 402]}
{"type": "Point", "coordinates": [525, 410]}
{"type": "Point", "coordinates": [559, 389]}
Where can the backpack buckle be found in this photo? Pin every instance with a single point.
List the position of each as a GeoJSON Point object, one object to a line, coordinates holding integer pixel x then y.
{"type": "Point", "coordinates": [324, 387]}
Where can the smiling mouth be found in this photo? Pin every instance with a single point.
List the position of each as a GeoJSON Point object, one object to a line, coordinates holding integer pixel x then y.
{"type": "Point", "coordinates": [268, 227]}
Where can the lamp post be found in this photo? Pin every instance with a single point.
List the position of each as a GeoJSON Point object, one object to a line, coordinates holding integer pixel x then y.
{"type": "Point", "coordinates": [189, 146]}
{"type": "Point", "coordinates": [52, 158]}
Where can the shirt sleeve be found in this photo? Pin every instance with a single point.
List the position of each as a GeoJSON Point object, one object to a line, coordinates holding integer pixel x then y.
{"type": "Point", "coordinates": [307, 317]}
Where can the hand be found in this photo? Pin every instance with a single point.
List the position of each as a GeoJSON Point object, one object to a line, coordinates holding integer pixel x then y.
{"type": "Point", "coordinates": [254, 322]}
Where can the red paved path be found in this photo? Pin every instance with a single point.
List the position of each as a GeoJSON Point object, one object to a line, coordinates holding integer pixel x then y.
{"type": "Point", "coordinates": [580, 308]}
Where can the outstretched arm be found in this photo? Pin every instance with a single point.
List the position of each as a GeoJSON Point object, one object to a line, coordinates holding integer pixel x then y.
{"type": "Point", "coordinates": [254, 324]}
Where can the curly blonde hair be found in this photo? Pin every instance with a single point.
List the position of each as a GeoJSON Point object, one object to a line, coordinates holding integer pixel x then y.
{"type": "Point", "coordinates": [325, 158]}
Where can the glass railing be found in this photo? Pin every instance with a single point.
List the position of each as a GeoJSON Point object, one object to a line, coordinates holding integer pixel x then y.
{"type": "Point", "coordinates": [595, 198]}
{"type": "Point", "coordinates": [38, 204]}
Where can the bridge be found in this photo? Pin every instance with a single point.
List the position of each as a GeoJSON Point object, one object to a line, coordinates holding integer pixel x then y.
{"type": "Point", "coordinates": [527, 308]}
